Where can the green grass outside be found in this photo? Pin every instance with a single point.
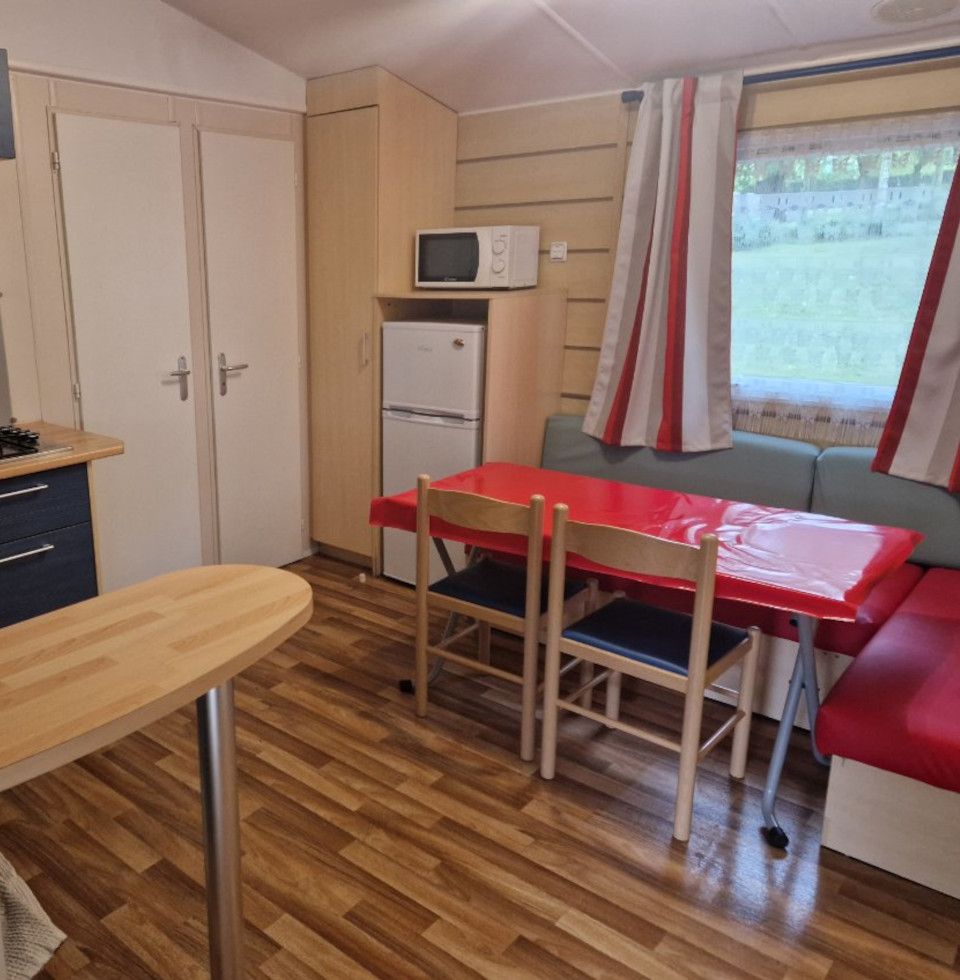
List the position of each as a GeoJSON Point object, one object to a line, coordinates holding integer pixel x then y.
{"type": "Point", "coordinates": [832, 310]}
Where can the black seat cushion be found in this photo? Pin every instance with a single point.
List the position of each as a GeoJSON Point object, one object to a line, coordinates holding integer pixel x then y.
{"type": "Point", "coordinates": [497, 585]}
{"type": "Point", "coordinates": [660, 637]}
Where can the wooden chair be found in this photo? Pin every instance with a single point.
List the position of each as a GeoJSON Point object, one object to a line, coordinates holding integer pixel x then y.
{"type": "Point", "coordinates": [684, 653]}
{"type": "Point", "coordinates": [494, 594]}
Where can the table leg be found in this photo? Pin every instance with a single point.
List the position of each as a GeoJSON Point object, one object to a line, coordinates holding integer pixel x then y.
{"type": "Point", "coordinates": [221, 831]}
{"type": "Point", "coordinates": [803, 681]}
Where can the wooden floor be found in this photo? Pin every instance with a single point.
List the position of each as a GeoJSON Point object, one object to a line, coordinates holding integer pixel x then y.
{"type": "Point", "coordinates": [377, 845]}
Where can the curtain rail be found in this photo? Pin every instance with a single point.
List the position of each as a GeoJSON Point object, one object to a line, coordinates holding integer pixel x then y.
{"type": "Point", "coordinates": [883, 61]}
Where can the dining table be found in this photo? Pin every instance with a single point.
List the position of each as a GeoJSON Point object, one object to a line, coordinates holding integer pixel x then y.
{"type": "Point", "coordinates": [75, 680]}
{"type": "Point", "coordinates": [813, 566]}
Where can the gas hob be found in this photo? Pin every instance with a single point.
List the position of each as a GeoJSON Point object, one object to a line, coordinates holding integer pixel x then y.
{"type": "Point", "coordinates": [16, 443]}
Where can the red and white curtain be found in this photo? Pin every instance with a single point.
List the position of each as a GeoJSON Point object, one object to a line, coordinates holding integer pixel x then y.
{"type": "Point", "coordinates": [664, 374]}
{"type": "Point", "coordinates": [921, 440]}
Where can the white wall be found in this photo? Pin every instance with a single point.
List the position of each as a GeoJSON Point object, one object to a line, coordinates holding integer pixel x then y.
{"type": "Point", "coordinates": [142, 44]}
{"type": "Point", "coordinates": [15, 304]}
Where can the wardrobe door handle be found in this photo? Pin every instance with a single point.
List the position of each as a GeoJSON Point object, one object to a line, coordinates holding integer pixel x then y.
{"type": "Point", "coordinates": [223, 368]}
{"type": "Point", "coordinates": [182, 373]}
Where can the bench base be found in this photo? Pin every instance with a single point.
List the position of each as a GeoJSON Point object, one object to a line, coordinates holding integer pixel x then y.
{"type": "Point", "coordinates": [774, 670]}
{"type": "Point", "coordinates": [898, 824]}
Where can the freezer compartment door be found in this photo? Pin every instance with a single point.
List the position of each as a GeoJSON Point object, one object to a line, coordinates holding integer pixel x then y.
{"type": "Point", "coordinates": [436, 368]}
{"type": "Point", "coordinates": [415, 444]}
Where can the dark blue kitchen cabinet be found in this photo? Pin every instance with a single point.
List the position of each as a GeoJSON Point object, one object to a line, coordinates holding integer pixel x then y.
{"type": "Point", "coordinates": [46, 543]}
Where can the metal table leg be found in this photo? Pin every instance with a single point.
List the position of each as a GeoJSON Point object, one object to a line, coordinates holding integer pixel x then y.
{"type": "Point", "coordinates": [803, 682]}
{"type": "Point", "coordinates": [221, 831]}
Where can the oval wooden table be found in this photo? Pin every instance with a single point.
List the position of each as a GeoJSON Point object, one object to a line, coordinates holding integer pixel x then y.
{"type": "Point", "coordinates": [75, 680]}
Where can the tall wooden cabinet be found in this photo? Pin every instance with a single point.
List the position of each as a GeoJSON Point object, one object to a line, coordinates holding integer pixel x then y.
{"type": "Point", "coordinates": [381, 160]}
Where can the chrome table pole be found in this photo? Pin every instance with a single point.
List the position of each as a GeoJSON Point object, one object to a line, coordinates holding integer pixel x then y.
{"type": "Point", "coordinates": [221, 831]}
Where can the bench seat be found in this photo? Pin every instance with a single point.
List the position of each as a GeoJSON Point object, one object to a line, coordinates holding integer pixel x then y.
{"type": "Point", "coordinates": [897, 707]}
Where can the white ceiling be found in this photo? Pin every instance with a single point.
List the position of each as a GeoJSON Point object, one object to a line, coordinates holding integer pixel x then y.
{"type": "Point", "coordinates": [482, 54]}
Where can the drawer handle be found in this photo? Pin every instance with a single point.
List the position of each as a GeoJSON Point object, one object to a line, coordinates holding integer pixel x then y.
{"type": "Point", "coordinates": [27, 554]}
{"type": "Point", "coordinates": [20, 493]}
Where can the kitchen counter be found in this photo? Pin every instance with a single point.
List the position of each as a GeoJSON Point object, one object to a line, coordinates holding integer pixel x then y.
{"type": "Point", "coordinates": [85, 446]}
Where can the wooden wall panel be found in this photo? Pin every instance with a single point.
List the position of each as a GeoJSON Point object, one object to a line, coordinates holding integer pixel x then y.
{"type": "Point", "coordinates": [581, 224]}
{"type": "Point", "coordinates": [579, 370]}
{"type": "Point", "coordinates": [927, 87]}
{"type": "Point", "coordinates": [572, 405]}
{"type": "Point", "coordinates": [559, 166]}
{"type": "Point", "coordinates": [557, 126]}
{"type": "Point", "coordinates": [585, 319]}
{"type": "Point", "coordinates": [585, 275]}
{"type": "Point", "coordinates": [568, 176]}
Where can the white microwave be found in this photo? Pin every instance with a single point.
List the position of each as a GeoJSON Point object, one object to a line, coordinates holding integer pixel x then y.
{"type": "Point", "coordinates": [501, 257]}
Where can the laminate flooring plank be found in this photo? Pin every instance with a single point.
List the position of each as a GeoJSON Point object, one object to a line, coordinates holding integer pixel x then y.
{"type": "Point", "coordinates": [304, 955]}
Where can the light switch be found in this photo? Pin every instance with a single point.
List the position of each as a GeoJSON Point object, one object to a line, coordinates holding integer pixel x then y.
{"type": "Point", "coordinates": [558, 251]}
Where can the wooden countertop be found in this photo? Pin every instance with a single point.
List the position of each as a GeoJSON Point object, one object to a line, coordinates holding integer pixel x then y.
{"type": "Point", "coordinates": [77, 679]}
{"type": "Point", "coordinates": [84, 447]}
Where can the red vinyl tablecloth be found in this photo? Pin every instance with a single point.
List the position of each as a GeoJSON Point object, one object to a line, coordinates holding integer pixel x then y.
{"type": "Point", "coordinates": [804, 563]}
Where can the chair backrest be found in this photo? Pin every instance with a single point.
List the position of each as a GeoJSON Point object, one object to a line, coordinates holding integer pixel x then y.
{"type": "Point", "coordinates": [619, 549]}
{"type": "Point", "coordinates": [486, 515]}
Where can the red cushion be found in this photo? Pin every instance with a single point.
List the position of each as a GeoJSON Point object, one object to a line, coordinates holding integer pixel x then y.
{"type": "Point", "coordinates": [897, 707]}
{"type": "Point", "coordinates": [884, 598]}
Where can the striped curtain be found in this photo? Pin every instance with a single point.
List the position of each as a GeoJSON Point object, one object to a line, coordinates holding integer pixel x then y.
{"type": "Point", "coordinates": [664, 374]}
{"type": "Point", "coordinates": [921, 440]}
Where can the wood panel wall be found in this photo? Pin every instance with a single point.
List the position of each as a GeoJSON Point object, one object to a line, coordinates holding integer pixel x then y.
{"type": "Point", "coordinates": [560, 166]}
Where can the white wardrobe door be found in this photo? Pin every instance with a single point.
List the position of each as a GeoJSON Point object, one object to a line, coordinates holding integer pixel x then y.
{"type": "Point", "coordinates": [250, 242]}
{"type": "Point", "coordinates": [126, 247]}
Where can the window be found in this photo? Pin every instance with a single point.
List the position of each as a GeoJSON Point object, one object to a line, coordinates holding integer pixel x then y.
{"type": "Point", "coordinates": [833, 229]}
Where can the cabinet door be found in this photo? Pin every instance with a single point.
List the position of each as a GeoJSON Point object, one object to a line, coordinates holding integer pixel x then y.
{"type": "Point", "coordinates": [250, 243]}
{"type": "Point", "coordinates": [125, 241]}
{"type": "Point", "coordinates": [342, 255]}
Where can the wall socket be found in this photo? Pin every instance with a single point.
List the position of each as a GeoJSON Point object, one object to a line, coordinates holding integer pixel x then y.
{"type": "Point", "coordinates": [558, 251]}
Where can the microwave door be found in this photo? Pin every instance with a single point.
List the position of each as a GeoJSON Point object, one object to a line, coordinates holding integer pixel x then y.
{"type": "Point", "coordinates": [448, 257]}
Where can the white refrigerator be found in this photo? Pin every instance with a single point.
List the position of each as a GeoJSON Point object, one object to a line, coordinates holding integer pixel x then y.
{"type": "Point", "coordinates": [431, 420]}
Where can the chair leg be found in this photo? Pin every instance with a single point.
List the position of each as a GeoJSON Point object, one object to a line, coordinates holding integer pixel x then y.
{"type": "Point", "coordinates": [689, 756]}
{"type": "Point", "coordinates": [551, 693]}
{"type": "Point", "coordinates": [741, 731]}
{"type": "Point", "coordinates": [421, 681]}
{"type": "Point", "coordinates": [614, 685]}
{"type": "Point", "coordinates": [528, 695]}
{"type": "Point", "coordinates": [483, 642]}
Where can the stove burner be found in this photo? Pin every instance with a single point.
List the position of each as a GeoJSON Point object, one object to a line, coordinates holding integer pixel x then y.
{"type": "Point", "coordinates": [16, 442]}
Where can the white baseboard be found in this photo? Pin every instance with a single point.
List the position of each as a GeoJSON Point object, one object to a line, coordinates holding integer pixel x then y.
{"type": "Point", "coordinates": [898, 824]}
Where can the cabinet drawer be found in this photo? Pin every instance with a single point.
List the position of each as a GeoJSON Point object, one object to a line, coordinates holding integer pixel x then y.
{"type": "Point", "coordinates": [43, 501]}
{"type": "Point", "coordinates": [62, 571]}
